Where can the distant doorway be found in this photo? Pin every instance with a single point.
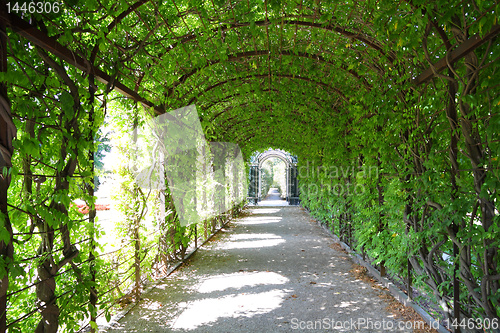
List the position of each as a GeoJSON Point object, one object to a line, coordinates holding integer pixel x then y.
{"type": "Point", "coordinates": [275, 169]}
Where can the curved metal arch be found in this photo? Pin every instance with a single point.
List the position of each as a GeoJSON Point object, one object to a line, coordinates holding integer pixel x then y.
{"type": "Point", "coordinates": [358, 35]}
{"type": "Point", "coordinates": [256, 53]}
{"type": "Point", "coordinates": [239, 121]}
{"type": "Point", "coordinates": [235, 120]}
{"type": "Point", "coordinates": [240, 105]}
{"type": "Point", "coordinates": [243, 120]}
{"type": "Point", "coordinates": [226, 98]}
{"type": "Point", "coordinates": [235, 117]}
{"type": "Point", "coordinates": [288, 76]}
{"type": "Point", "coordinates": [115, 22]}
{"type": "Point", "coordinates": [352, 33]}
{"type": "Point", "coordinates": [227, 109]}
{"type": "Point", "coordinates": [242, 139]}
{"type": "Point", "coordinates": [355, 34]}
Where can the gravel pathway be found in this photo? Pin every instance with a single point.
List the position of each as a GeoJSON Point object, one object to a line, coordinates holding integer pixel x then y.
{"type": "Point", "coordinates": [271, 271]}
{"type": "Point", "coordinates": [273, 198]}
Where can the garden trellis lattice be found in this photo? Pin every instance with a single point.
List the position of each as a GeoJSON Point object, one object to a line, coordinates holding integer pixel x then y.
{"type": "Point", "coordinates": [409, 88]}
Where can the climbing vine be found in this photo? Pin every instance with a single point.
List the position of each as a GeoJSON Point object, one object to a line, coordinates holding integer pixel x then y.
{"type": "Point", "coordinates": [391, 108]}
{"type": "Point", "coordinates": [432, 200]}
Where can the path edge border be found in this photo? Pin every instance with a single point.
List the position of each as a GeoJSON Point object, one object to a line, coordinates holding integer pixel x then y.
{"type": "Point", "coordinates": [397, 293]}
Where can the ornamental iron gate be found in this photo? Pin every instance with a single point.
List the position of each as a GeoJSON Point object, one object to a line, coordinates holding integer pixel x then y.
{"type": "Point", "coordinates": [255, 176]}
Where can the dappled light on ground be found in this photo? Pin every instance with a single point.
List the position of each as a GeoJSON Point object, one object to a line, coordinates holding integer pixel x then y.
{"type": "Point", "coordinates": [253, 241]}
{"type": "Point", "coordinates": [278, 202]}
{"type": "Point", "coordinates": [264, 210]}
{"type": "Point", "coordinates": [273, 198]}
{"type": "Point", "coordinates": [260, 277]}
{"type": "Point", "coordinates": [260, 220]}
{"type": "Point", "coordinates": [206, 311]}
{"type": "Point", "coordinates": [239, 280]}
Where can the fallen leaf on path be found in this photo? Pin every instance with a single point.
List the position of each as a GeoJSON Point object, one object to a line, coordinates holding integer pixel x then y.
{"type": "Point", "coordinates": [337, 247]}
{"type": "Point", "coordinates": [399, 310]}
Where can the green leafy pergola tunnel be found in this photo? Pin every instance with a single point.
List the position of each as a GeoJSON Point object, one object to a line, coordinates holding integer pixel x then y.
{"type": "Point", "coordinates": [408, 88]}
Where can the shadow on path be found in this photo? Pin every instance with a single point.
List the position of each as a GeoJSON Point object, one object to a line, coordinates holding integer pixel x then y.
{"type": "Point", "coordinates": [272, 271]}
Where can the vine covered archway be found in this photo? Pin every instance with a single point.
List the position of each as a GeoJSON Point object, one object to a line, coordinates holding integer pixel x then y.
{"type": "Point", "coordinates": [257, 160]}
{"type": "Point", "coordinates": [406, 88]}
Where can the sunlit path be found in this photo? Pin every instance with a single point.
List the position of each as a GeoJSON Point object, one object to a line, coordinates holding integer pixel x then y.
{"type": "Point", "coordinates": [271, 271]}
{"type": "Point", "coordinates": [132, 131]}
{"type": "Point", "coordinates": [273, 198]}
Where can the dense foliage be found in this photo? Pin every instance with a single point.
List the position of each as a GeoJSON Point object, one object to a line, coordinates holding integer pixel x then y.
{"type": "Point", "coordinates": [406, 169]}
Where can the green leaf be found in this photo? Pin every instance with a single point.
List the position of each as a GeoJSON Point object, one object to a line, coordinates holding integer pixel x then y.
{"type": "Point", "coordinates": [67, 103]}
{"type": "Point", "coordinates": [5, 235]}
{"type": "Point", "coordinates": [102, 46]}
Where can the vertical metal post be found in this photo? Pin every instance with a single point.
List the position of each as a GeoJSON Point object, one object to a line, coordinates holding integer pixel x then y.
{"type": "Point", "coordinates": [205, 230]}
{"type": "Point", "coordinates": [195, 236]}
{"type": "Point", "coordinates": [92, 213]}
{"type": "Point", "coordinates": [456, 289]}
{"type": "Point", "coordinates": [161, 216]}
{"type": "Point", "coordinates": [451, 113]}
{"type": "Point", "coordinates": [7, 133]}
{"type": "Point", "coordinates": [259, 180]}
{"type": "Point", "coordinates": [382, 224]}
{"type": "Point", "coordinates": [294, 185]}
{"type": "Point", "coordinates": [409, 287]}
{"type": "Point", "coordinates": [288, 185]}
{"type": "Point", "coordinates": [137, 260]}
{"type": "Point", "coordinates": [341, 227]}
{"type": "Point", "coordinates": [137, 222]}
{"type": "Point", "coordinates": [382, 269]}
{"type": "Point", "coordinates": [350, 230]}
{"type": "Point", "coordinates": [204, 203]}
